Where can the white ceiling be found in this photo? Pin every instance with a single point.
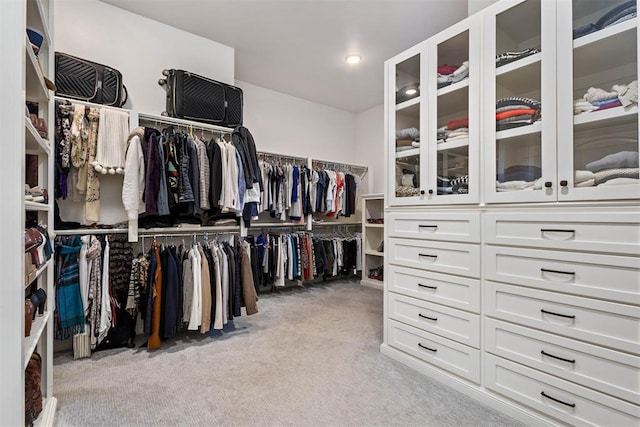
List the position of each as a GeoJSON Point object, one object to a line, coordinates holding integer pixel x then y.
{"type": "Point", "coordinates": [298, 47]}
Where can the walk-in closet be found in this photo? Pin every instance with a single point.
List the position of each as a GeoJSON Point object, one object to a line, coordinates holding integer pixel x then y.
{"type": "Point", "coordinates": [411, 213]}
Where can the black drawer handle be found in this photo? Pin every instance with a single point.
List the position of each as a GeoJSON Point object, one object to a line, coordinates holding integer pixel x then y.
{"type": "Point", "coordinates": [427, 226]}
{"type": "Point", "coordinates": [435, 319]}
{"type": "Point", "coordinates": [429, 256]}
{"type": "Point", "coordinates": [427, 286]}
{"type": "Point", "coordinates": [568, 316]}
{"type": "Point", "coordinates": [428, 348]}
{"type": "Point", "coordinates": [557, 357]}
{"type": "Point", "coordinates": [555, 230]}
{"type": "Point", "coordinates": [573, 405]}
{"type": "Point", "coordinates": [546, 270]}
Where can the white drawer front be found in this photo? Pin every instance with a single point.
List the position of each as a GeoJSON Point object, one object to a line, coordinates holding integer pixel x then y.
{"type": "Point", "coordinates": [562, 400]}
{"type": "Point", "coordinates": [454, 227]}
{"type": "Point", "coordinates": [605, 323]}
{"type": "Point", "coordinates": [447, 322]}
{"type": "Point", "coordinates": [604, 232]}
{"type": "Point", "coordinates": [607, 277]}
{"type": "Point", "coordinates": [456, 358]}
{"type": "Point", "coordinates": [609, 371]}
{"type": "Point", "coordinates": [454, 258]}
{"type": "Point", "coordinates": [454, 291]}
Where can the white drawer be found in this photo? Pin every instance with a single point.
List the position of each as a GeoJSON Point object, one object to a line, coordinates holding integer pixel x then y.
{"type": "Point", "coordinates": [607, 277]}
{"type": "Point", "coordinates": [454, 258]}
{"type": "Point", "coordinates": [447, 322]}
{"type": "Point", "coordinates": [609, 371]}
{"type": "Point", "coordinates": [605, 323]}
{"type": "Point", "coordinates": [603, 232]}
{"type": "Point", "coordinates": [454, 226]}
{"type": "Point", "coordinates": [449, 355]}
{"type": "Point", "coordinates": [454, 291]}
{"type": "Point", "coordinates": [570, 403]}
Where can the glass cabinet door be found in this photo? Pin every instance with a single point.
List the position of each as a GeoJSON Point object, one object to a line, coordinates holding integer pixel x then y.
{"type": "Point", "coordinates": [405, 113]}
{"type": "Point", "coordinates": [453, 122]}
{"type": "Point", "coordinates": [520, 84]}
{"type": "Point", "coordinates": [598, 100]}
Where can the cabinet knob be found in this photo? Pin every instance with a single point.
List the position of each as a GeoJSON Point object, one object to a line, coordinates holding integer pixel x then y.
{"type": "Point", "coordinates": [430, 191]}
{"type": "Point", "coordinates": [421, 191]}
{"type": "Point", "coordinates": [548, 184]}
{"type": "Point", "coordinates": [563, 183]}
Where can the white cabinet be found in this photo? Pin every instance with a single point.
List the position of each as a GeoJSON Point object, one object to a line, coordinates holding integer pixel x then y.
{"type": "Point", "coordinates": [433, 128]}
{"type": "Point", "coordinates": [372, 240]}
{"type": "Point", "coordinates": [23, 79]}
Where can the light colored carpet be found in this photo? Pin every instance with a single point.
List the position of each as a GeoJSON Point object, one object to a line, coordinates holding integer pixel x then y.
{"type": "Point", "coordinates": [310, 358]}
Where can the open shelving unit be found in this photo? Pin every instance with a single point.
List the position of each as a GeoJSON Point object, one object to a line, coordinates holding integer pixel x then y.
{"type": "Point", "coordinates": [372, 236]}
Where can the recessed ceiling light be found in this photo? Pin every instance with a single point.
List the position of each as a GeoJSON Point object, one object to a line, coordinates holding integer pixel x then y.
{"type": "Point", "coordinates": [353, 59]}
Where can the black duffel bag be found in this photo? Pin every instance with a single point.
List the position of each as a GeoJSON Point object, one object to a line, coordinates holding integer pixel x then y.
{"type": "Point", "coordinates": [193, 97]}
{"type": "Point", "coordinates": [85, 80]}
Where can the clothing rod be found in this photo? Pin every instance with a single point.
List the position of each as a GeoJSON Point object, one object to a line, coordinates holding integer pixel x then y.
{"type": "Point", "coordinates": [153, 236]}
{"type": "Point", "coordinates": [149, 232]}
{"type": "Point", "coordinates": [90, 104]}
{"type": "Point", "coordinates": [83, 231]}
{"type": "Point", "coordinates": [286, 156]}
{"type": "Point", "coordinates": [181, 122]}
{"type": "Point", "coordinates": [351, 165]}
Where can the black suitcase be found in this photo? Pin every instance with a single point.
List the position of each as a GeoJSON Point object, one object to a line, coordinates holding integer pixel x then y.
{"type": "Point", "coordinates": [194, 97]}
{"type": "Point", "coordinates": [79, 78]}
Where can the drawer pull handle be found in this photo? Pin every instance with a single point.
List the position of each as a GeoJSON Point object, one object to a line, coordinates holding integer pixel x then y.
{"type": "Point", "coordinates": [568, 316]}
{"type": "Point", "coordinates": [557, 357]}
{"type": "Point", "coordinates": [427, 348]}
{"type": "Point", "coordinates": [427, 226]}
{"type": "Point", "coordinates": [555, 230]}
{"type": "Point", "coordinates": [573, 405]}
{"type": "Point", "coordinates": [429, 256]}
{"type": "Point", "coordinates": [427, 286]}
{"type": "Point", "coordinates": [435, 319]}
{"type": "Point", "coordinates": [546, 270]}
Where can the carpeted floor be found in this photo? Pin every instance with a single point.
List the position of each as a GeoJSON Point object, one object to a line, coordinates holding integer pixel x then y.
{"type": "Point", "coordinates": [310, 357]}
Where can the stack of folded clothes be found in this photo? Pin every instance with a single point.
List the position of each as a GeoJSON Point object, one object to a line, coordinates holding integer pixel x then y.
{"type": "Point", "coordinates": [453, 185]}
{"type": "Point", "coordinates": [454, 130]}
{"type": "Point", "coordinates": [613, 169]}
{"type": "Point", "coordinates": [516, 111]}
{"type": "Point", "coordinates": [507, 57]}
{"type": "Point", "coordinates": [519, 177]}
{"type": "Point", "coordinates": [448, 74]}
{"type": "Point", "coordinates": [597, 99]}
{"type": "Point", "coordinates": [406, 139]}
{"type": "Point", "coordinates": [622, 12]}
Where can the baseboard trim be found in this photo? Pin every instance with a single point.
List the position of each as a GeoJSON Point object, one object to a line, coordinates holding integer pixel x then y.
{"type": "Point", "coordinates": [473, 391]}
{"type": "Point", "coordinates": [48, 413]}
{"type": "Point", "coordinates": [370, 283]}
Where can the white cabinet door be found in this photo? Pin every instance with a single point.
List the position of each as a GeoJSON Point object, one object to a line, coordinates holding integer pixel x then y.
{"type": "Point", "coordinates": [598, 148]}
{"type": "Point", "coordinates": [562, 400]}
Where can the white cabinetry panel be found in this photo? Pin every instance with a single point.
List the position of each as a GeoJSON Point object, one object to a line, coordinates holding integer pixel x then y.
{"type": "Point", "coordinates": [454, 258]}
{"type": "Point", "coordinates": [450, 226]}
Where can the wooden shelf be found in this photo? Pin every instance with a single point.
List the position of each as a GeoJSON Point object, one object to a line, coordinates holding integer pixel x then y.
{"type": "Point", "coordinates": [407, 104]}
{"type": "Point", "coordinates": [520, 64]}
{"type": "Point", "coordinates": [373, 252]}
{"type": "Point", "coordinates": [34, 141]}
{"type": "Point", "coordinates": [520, 131]}
{"type": "Point", "coordinates": [39, 272]}
{"type": "Point", "coordinates": [458, 143]}
{"type": "Point", "coordinates": [408, 153]}
{"type": "Point", "coordinates": [374, 225]}
{"type": "Point", "coordinates": [36, 206]}
{"type": "Point", "coordinates": [454, 87]}
{"type": "Point", "coordinates": [609, 117]}
{"type": "Point", "coordinates": [29, 343]}
{"type": "Point", "coordinates": [36, 88]}
{"type": "Point", "coordinates": [606, 33]}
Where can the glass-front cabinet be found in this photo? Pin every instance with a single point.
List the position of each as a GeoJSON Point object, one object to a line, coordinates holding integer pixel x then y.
{"type": "Point", "coordinates": [405, 117]}
{"type": "Point", "coordinates": [598, 100]}
{"type": "Point", "coordinates": [519, 101]}
{"type": "Point", "coordinates": [432, 107]}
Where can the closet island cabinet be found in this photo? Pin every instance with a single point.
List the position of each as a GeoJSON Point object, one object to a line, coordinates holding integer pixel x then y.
{"type": "Point", "coordinates": [433, 124]}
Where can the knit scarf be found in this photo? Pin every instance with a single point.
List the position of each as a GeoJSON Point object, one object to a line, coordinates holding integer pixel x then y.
{"type": "Point", "coordinates": [92, 206]}
{"type": "Point", "coordinates": [69, 311]}
{"type": "Point", "coordinates": [94, 258]}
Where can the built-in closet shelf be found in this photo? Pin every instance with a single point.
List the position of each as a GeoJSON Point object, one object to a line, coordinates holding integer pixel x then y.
{"type": "Point", "coordinates": [606, 54]}
{"type": "Point", "coordinates": [407, 104]}
{"type": "Point", "coordinates": [408, 153]}
{"type": "Point", "coordinates": [460, 143]}
{"type": "Point", "coordinates": [37, 18]}
{"type": "Point", "coordinates": [520, 131]}
{"type": "Point", "coordinates": [34, 142]}
{"type": "Point", "coordinates": [609, 117]}
{"type": "Point", "coordinates": [154, 118]}
{"type": "Point", "coordinates": [610, 33]}
{"type": "Point", "coordinates": [334, 223]}
{"type": "Point", "coordinates": [374, 252]}
{"type": "Point", "coordinates": [374, 225]}
{"type": "Point", "coordinates": [372, 283]}
{"type": "Point", "coordinates": [454, 87]}
{"type": "Point", "coordinates": [255, 225]}
{"type": "Point", "coordinates": [39, 272]}
{"type": "Point", "coordinates": [36, 89]}
{"type": "Point", "coordinates": [36, 206]}
{"type": "Point", "coordinates": [29, 343]}
{"type": "Point", "coordinates": [149, 232]}
{"type": "Point", "coordinates": [521, 64]}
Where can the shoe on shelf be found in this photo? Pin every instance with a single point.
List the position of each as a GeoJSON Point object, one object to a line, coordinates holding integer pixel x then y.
{"type": "Point", "coordinates": [380, 247]}
{"type": "Point", "coordinates": [376, 273]}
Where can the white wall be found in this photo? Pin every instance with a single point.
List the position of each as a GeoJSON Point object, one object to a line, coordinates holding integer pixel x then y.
{"type": "Point", "coordinates": [476, 5]}
{"type": "Point", "coordinates": [138, 47]}
{"type": "Point", "coordinates": [370, 145]}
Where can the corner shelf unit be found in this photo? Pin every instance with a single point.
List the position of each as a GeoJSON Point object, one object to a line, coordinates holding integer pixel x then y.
{"type": "Point", "coordinates": [372, 236]}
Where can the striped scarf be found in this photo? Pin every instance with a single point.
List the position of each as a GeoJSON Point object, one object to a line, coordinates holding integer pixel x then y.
{"type": "Point", "coordinates": [69, 311]}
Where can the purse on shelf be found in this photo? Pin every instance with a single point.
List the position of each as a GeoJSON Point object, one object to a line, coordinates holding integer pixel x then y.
{"type": "Point", "coordinates": [32, 239]}
{"type": "Point", "coordinates": [33, 389]}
